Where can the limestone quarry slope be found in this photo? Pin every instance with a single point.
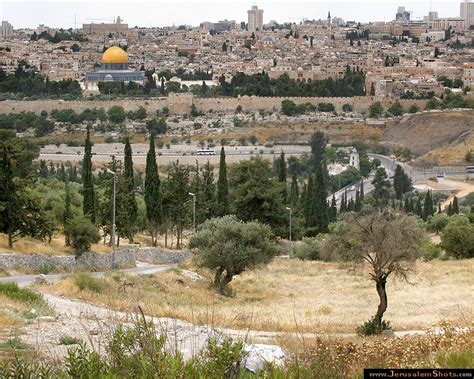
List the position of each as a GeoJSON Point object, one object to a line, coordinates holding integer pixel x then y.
{"type": "Point", "coordinates": [441, 138]}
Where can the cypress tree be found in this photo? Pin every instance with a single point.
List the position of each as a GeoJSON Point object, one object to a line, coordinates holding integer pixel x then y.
{"type": "Point", "coordinates": [67, 214]}
{"type": "Point", "coordinates": [358, 203]}
{"type": "Point", "coordinates": [88, 180]}
{"type": "Point", "coordinates": [52, 169]}
{"type": "Point", "coordinates": [222, 187]}
{"type": "Point", "coordinates": [43, 169]}
{"type": "Point", "coordinates": [362, 195]}
{"type": "Point", "coordinates": [308, 205]}
{"type": "Point", "coordinates": [282, 175]}
{"type": "Point", "coordinates": [350, 207]}
{"type": "Point", "coordinates": [381, 187]}
{"type": "Point", "coordinates": [406, 205]}
{"type": "Point", "coordinates": [343, 207]}
{"type": "Point", "coordinates": [62, 173]}
{"type": "Point", "coordinates": [333, 209]}
{"type": "Point", "coordinates": [73, 175]}
{"type": "Point", "coordinates": [208, 192]}
{"type": "Point", "coordinates": [294, 190]}
{"type": "Point", "coordinates": [320, 207]}
{"type": "Point", "coordinates": [128, 189]}
{"type": "Point", "coordinates": [418, 210]}
{"type": "Point", "coordinates": [439, 208]}
{"type": "Point", "coordinates": [450, 209]}
{"type": "Point", "coordinates": [412, 205]}
{"type": "Point", "coordinates": [427, 206]}
{"type": "Point", "coordinates": [153, 198]}
{"type": "Point", "coordinates": [455, 209]}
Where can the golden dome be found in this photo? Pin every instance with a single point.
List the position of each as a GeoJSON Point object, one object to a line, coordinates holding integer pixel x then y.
{"type": "Point", "coordinates": [114, 54]}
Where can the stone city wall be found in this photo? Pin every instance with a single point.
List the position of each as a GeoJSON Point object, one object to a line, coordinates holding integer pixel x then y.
{"type": "Point", "coordinates": [90, 260]}
{"type": "Point", "coordinates": [181, 103]}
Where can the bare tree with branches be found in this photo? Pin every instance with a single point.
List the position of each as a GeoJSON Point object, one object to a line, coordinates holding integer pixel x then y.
{"type": "Point", "coordinates": [386, 240]}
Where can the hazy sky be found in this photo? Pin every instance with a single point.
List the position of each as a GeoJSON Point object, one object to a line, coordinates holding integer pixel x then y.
{"type": "Point", "coordinates": [162, 13]}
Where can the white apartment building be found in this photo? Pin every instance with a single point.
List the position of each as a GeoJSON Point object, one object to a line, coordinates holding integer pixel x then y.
{"type": "Point", "coordinates": [467, 12]}
{"type": "Point", "coordinates": [255, 18]}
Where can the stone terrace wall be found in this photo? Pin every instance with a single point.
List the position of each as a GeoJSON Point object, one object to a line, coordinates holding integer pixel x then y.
{"type": "Point", "coordinates": [155, 256]}
{"type": "Point", "coordinates": [90, 260]}
{"type": "Point", "coordinates": [181, 103]}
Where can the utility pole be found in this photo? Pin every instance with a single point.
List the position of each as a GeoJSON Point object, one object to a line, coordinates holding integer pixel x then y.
{"type": "Point", "coordinates": [291, 245]}
{"type": "Point", "coordinates": [194, 210]}
{"type": "Point", "coordinates": [113, 217]}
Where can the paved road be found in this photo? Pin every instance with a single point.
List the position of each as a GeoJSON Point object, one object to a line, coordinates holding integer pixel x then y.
{"type": "Point", "coordinates": [420, 173]}
{"type": "Point", "coordinates": [25, 280]}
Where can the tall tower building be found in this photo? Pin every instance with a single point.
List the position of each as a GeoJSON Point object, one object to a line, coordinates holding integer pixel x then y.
{"type": "Point", "coordinates": [255, 19]}
{"type": "Point", "coordinates": [6, 29]}
{"type": "Point", "coordinates": [467, 12]}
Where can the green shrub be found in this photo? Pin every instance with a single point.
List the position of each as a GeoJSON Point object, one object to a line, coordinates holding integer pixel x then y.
{"type": "Point", "coordinates": [430, 250]}
{"type": "Point", "coordinates": [455, 359]}
{"type": "Point", "coordinates": [87, 282]}
{"type": "Point", "coordinates": [24, 295]}
{"type": "Point", "coordinates": [370, 328]}
{"type": "Point", "coordinates": [13, 343]}
{"type": "Point", "coordinates": [68, 340]}
{"type": "Point", "coordinates": [309, 249]}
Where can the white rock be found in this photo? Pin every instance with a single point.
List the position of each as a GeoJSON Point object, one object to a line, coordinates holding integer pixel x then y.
{"type": "Point", "coordinates": [191, 275]}
{"type": "Point", "coordinates": [259, 354]}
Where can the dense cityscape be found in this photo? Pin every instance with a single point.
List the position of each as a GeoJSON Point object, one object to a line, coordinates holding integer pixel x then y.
{"type": "Point", "coordinates": [238, 199]}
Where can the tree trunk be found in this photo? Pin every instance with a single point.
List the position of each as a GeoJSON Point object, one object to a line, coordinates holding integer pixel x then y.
{"type": "Point", "coordinates": [380, 285]}
{"type": "Point", "coordinates": [223, 282]}
{"type": "Point", "coordinates": [10, 239]}
{"type": "Point", "coordinates": [166, 237]}
{"type": "Point", "coordinates": [217, 277]}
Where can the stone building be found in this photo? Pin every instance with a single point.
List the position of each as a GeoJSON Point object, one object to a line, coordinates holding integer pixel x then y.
{"type": "Point", "coordinates": [105, 29]}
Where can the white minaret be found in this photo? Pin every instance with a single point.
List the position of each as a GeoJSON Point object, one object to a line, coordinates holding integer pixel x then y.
{"type": "Point", "coordinates": [329, 22]}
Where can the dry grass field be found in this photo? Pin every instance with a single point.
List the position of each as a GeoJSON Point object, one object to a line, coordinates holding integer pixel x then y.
{"type": "Point", "coordinates": [294, 296]}
{"type": "Point", "coordinates": [28, 245]}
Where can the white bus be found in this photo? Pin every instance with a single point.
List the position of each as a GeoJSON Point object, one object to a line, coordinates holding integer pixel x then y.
{"type": "Point", "coordinates": [205, 152]}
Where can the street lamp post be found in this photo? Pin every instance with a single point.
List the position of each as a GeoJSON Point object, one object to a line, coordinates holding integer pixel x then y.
{"type": "Point", "coordinates": [113, 217]}
{"type": "Point", "coordinates": [194, 210]}
{"type": "Point", "coordinates": [291, 245]}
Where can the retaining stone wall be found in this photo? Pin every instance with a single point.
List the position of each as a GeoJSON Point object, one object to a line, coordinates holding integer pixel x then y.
{"type": "Point", "coordinates": [155, 256]}
{"type": "Point", "coordinates": [90, 260]}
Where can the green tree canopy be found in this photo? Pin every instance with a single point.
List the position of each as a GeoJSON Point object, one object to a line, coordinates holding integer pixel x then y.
{"type": "Point", "coordinates": [229, 247]}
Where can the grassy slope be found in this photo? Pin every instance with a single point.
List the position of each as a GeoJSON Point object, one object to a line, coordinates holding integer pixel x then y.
{"type": "Point", "coordinates": [298, 296]}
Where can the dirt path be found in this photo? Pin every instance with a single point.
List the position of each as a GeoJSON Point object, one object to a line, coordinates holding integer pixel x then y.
{"type": "Point", "coordinates": [95, 324]}
{"type": "Point", "coordinates": [461, 190]}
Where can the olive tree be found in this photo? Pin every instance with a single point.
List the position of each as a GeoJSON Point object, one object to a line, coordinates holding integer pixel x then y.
{"type": "Point", "coordinates": [387, 241]}
{"type": "Point", "coordinates": [82, 234]}
{"type": "Point", "coordinates": [458, 237]}
{"type": "Point", "coordinates": [229, 246]}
